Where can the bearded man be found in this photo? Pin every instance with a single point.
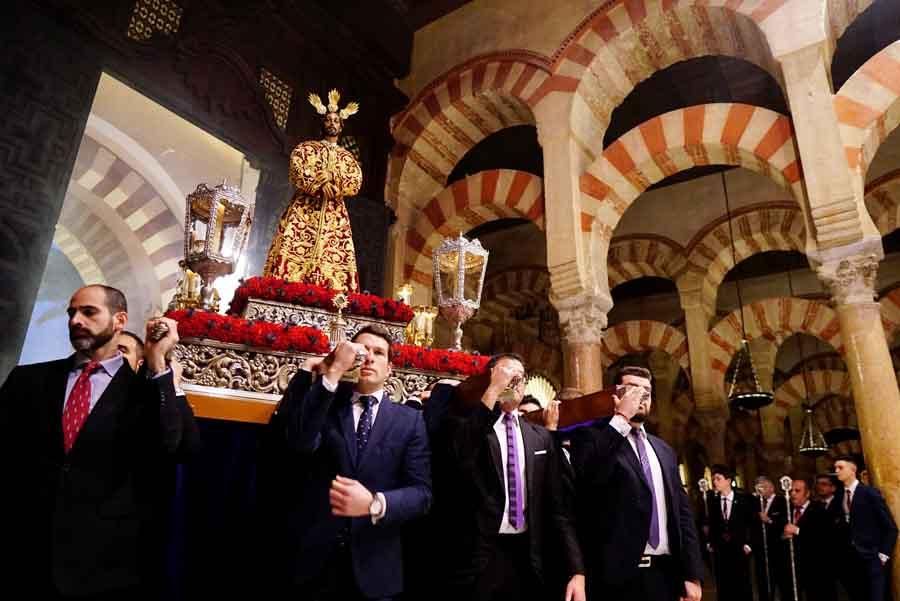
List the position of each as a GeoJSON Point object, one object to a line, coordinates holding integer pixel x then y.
{"type": "Point", "coordinates": [81, 440]}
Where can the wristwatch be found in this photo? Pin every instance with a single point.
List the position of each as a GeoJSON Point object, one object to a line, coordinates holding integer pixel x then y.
{"type": "Point", "coordinates": [375, 508]}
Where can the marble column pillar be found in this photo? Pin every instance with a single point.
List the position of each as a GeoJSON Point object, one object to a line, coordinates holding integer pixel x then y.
{"type": "Point", "coordinates": [851, 282]}
{"type": "Point", "coordinates": [665, 377]}
{"type": "Point", "coordinates": [582, 319]}
{"type": "Point", "coordinates": [712, 422]}
{"type": "Point", "coordinates": [696, 321]}
{"type": "Point", "coordinates": [46, 90]}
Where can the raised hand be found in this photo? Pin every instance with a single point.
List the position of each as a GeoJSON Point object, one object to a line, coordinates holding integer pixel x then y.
{"type": "Point", "coordinates": [155, 351]}
{"type": "Point", "coordinates": [628, 404]}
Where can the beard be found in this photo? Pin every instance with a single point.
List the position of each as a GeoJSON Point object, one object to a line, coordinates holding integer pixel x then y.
{"type": "Point", "coordinates": [639, 418]}
{"type": "Point", "coordinates": [84, 341]}
{"type": "Point", "coordinates": [332, 129]}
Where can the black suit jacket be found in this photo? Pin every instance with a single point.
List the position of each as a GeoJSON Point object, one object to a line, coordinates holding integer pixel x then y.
{"type": "Point", "coordinates": [320, 433]}
{"type": "Point", "coordinates": [472, 481]}
{"type": "Point", "coordinates": [778, 515]}
{"type": "Point", "coordinates": [615, 503]}
{"type": "Point", "coordinates": [871, 530]}
{"type": "Point", "coordinates": [811, 546]}
{"type": "Point", "coordinates": [82, 520]}
{"type": "Point", "coordinates": [733, 534]}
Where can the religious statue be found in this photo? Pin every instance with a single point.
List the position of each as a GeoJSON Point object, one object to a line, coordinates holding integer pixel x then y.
{"type": "Point", "coordinates": [313, 242]}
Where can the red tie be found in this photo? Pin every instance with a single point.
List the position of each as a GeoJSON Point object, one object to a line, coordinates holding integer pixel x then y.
{"type": "Point", "coordinates": [798, 513]}
{"type": "Point", "coordinates": [78, 405]}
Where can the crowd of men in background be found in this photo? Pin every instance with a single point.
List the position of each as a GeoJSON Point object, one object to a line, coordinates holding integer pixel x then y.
{"type": "Point", "coordinates": [448, 498]}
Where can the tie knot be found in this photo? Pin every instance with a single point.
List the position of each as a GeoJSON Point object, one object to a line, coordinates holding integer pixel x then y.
{"type": "Point", "coordinates": [509, 418]}
{"type": "Point", "coordinates": [90, 367]}
{"type": "Point", "coordinates": [637, 432]}
{"type": "Point", "coordinates": [368, 400]}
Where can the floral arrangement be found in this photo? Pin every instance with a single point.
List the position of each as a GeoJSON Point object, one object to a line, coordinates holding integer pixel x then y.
{"type": "Point", "coordinates": [310, 295]}
{"type": "Point", "coordinates": [228, 328]}
{"type": "Point", "coordinates": [455, 362]}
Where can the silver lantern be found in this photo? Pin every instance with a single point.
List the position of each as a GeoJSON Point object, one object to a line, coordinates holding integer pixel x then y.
{"type": "Point", "coordinates": [459, 266]}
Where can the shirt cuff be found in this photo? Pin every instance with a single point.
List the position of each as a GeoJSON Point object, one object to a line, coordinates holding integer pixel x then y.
{"type": "Point", "coordinates": [748, 549]}
{"type": "Point", "coordinates": [620, 424]}
{"type": "Point", "coordinates": [383, 502]}
{"type": "Point", "coordinates": [884, 558]}
{"type": "Point", "coordinates": [328, 384]}
{"type": "Point", "coordinates": [151, 376]}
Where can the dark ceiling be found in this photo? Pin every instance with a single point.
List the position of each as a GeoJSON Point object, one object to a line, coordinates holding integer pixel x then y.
{"type": "Point", "coordinates": [510, 148]}
{"type": "Point", "coordinates": [871, 32]}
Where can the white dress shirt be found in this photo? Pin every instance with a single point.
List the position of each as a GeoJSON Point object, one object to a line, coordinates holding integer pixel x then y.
{"type": "Point", "coordinates": [623, 427]}
{"type": "Point", "coordinates": [729, 499]}
{"type": "Point", "coordinates": [500, 431]}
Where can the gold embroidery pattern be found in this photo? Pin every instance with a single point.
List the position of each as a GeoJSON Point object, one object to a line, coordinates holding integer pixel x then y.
{"type": "Point", "coordinates": [313, 242]}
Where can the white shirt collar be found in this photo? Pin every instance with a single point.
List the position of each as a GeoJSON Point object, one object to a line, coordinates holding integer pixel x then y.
{"type": "Point", "coordinates": [378, 394]}
{"type": "Point", "coordinates": [852, 487]}
{"type": "Point", "coordinates": [729, 496]}
{"type": "Point", "coordinates": [515, 413]}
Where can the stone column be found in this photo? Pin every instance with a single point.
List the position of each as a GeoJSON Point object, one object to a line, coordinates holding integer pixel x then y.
{"type": "Point", "coordinates": [851, 283]}
{"type": "Point", "coordinates": [696, 322]}
{"type": "Point", "coordinates": [665, 377]}
{"type": "Point", "coordinates": [582, 319]}
{"type": "Point", "coordinates": [712, 422]}
{"type": "Point", "coordinates": [46, 90]}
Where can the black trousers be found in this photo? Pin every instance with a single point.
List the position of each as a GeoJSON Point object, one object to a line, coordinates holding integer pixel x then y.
{"type": "Point", "coordinates": [732, 574]}
{"type": "Point", "coordinates": [336, 581]}
{"type": "Point", "coordinates": [660, 581]}
{"type": "Point", "coordinates": [864, 577]}
{"type": "Point", "coordinates": [509, 575]}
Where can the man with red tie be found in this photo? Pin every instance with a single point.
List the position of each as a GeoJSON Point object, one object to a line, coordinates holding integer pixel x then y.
{"type": "Point", "coordinates": [808, 528]}
{"type": "Point", "coordinates": [867, 534]}
{"type": "Point", "coordinates": [81, 440]}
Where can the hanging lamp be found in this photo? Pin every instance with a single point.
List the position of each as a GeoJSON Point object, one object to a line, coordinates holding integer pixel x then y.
{"type": "Point", "coordinates": [744, 391]}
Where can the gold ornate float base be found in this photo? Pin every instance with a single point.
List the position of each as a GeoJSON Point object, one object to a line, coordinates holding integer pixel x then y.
{"type": "Point", "coordinates": [242, 383]}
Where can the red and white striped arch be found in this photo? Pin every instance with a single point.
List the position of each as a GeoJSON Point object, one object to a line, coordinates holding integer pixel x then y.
{"type": "Point", "coordinates": [757, 229]}
{"type": "Point", "coordinates": [625, 42]}
{"type": "Point", "coordinates": [774, 319]}
{"type": "Point", "coordinates": [795, 391]}
{"type": "Point", "coordinates": [633, 257]}
{"type": "Point", "coordinates": [712, 134]}
{"type": "Point", "coordinates": [644, 335]}
{"type": "Point", "coordinates": [868, 107]}
{"type": "Point", "coordinates": [511, 288]}
{"type": "Point", "coordinates": [455, 112]}
{"type": "Point", "coordinates": [138, 204]}
{"type": "Point", "coordinates": [467, 203]}
{"type": "Point", "coordinates": [883, 202]}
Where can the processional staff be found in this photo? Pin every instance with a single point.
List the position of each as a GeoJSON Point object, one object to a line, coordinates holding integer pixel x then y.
{"type": "Point", "coordinates": [765, 539]}
{"type": "Point", "coordinates": [703, 485]}
{"type": "Point", "coordinates": [786, 483]}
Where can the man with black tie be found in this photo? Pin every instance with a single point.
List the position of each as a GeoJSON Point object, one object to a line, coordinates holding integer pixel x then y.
{"type": "Point", "coordinates": [867, 535]}
{"type": "Point", "coordinates": [770, 517]}
{"type": "Point", "coordinates": [510, 504]}
{"type": "Point", "coordinates": [808, 528]}
{"type": "Point", "coordinates": [730, 516]}
{"type": "Point", "coordinates": [362, 471]}
{"type": "Point", "coordinates": [634, 518]}
{"type": "Point", "coordinates": [81, 442]}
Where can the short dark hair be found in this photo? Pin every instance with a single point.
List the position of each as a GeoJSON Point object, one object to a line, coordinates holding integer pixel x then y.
{"type": "Point", "coordinates": [374, 330]}
{"type": "Point", "coordinates": [632, 370]}
{"type": "Point", "coordinates": [495, 359]}
{"type": "Point", "coordinates": [851, 459]}
{"type": "Point", "coordinates": [136, 338]}
{"type": "Point", "coordinates": [723, 470]}
{"type": "Point", "coordinates": [530, 400]}
{"type": "Point", "coordinates": [115, 298]}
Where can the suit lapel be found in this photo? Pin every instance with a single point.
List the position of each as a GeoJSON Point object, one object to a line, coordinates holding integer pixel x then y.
{"type": "Point", "coordinates": [59, 381]}
{"type": "Point", "coordinates": [496, 458]}
{"type": "Point", "coordinates": [380, 428]}
{"type": "Point", "coordinates": [632, 460]}
{"type": "Point", "coordinates": [345, 416]}
{"type": "Point", "coordinates": [531, 441]}
{"type": "Point", "coordinates": [109, 403]}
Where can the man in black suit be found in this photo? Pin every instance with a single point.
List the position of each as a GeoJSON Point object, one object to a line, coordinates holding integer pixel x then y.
{"type": "Point", "coordinates": [508, 504]}
{"type": "Point", "coordinates": [362, 470]}
{"type": "Point", "coordinates": [634, 518]}
{"type": "Point", "coordinates": [866, 536]}
{"type": "Point", "coordinates": [730, 517]}
{"type": "Point", "coordinates": [808, 529]}
{"type": "Point", "coordinates": [765, 534]}
{"type": "Point", "coordinates": [81, 440]}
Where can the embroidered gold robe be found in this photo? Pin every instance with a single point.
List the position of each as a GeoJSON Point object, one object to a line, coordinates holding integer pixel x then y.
{"type": "Point", "coordinates": [313, 242]}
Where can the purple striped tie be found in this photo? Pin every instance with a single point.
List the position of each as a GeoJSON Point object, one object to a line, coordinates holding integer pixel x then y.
{"type": "Point", "coordinates": [638, 435]}
{"type": "Point", "coordinates": [513, 483]}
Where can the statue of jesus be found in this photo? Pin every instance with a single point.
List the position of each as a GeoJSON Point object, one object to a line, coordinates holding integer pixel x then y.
{"type": "Point", "coordinates": [313, 242]}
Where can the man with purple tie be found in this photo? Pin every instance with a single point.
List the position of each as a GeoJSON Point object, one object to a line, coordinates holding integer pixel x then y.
{"type": "Point", "coordinates": [511, 501]}
{"type": "Point", "coordinates": [634, 519]}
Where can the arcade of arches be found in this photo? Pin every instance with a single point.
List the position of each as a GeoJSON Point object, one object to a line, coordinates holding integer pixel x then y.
{"type": "Point", "coordinates": [608, 154]}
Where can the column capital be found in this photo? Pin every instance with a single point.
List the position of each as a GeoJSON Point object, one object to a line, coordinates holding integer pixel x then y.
{"type": "Point", "coordinates": [583, 317]}
{"type": "Point", "coordinates": [851, 280]}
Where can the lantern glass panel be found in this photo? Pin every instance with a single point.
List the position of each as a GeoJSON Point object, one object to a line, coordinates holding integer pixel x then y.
{"type": "Point", "coordinates": [475, 265]}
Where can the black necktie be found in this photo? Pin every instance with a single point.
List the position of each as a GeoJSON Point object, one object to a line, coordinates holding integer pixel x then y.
{"type": "Point", "coordinates": [725, 508]}
{"type": "Point", "coordinates": [364, 427]}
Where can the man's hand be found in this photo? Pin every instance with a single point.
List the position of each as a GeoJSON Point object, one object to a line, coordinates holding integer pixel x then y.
{"type": "Point", "coordinates": [177, 370]}
{"type": "Point", "coordinates": [155, 352]}
{"type": "Point", "coordinates": [349, 498]}
{"type": "Point", "coordinates": [314, 365]}
{"type": "Point", "coordinates": [791, 530]}
{"type": "Point", "coordinates": [764, 517]}
{"type": "Point", "coordinates": [692, 591]}
{"type": "Point", "coordinates": [341, 360]}
{"type": "Point", "coordinates": [501, 377]}
{"type": "Point", "coordinates": [575, 588]}
{"type": "Point", "coordinates": [747, 550]}
{"type": "Point", "coordinates": [551, 415]}
{"type": "Point", "coordinates": [628, 405]}
{"type": "Point", "coordinates": [329, 191]}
